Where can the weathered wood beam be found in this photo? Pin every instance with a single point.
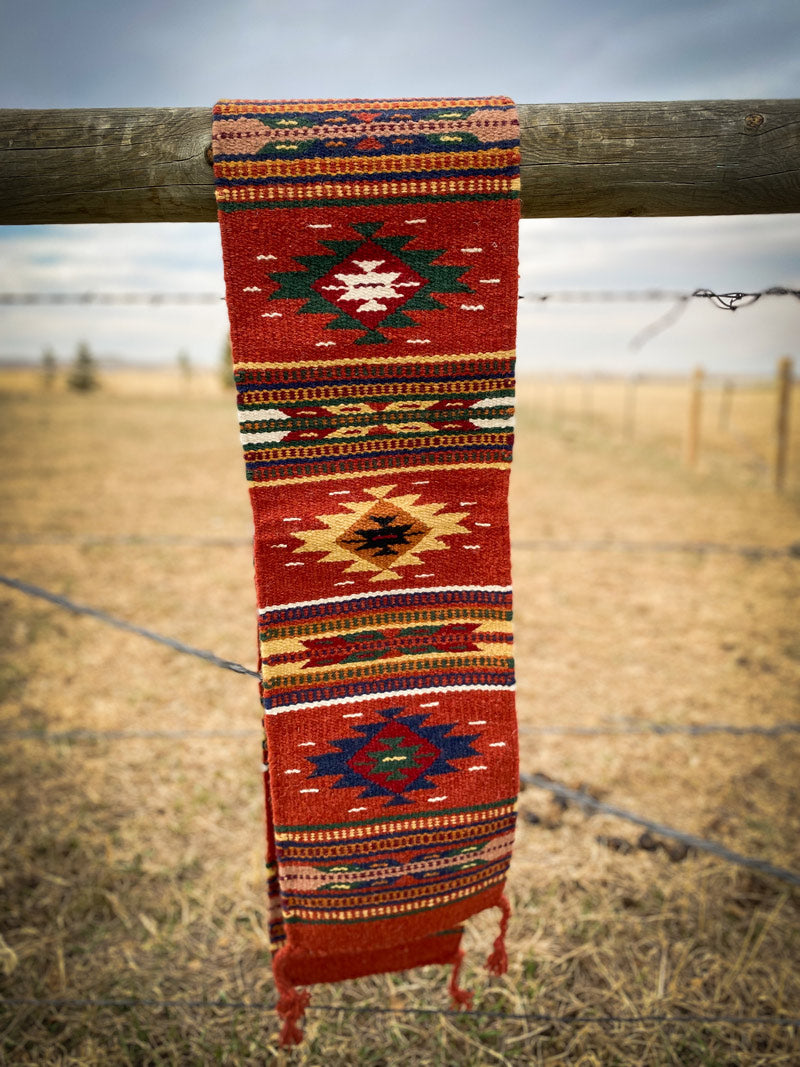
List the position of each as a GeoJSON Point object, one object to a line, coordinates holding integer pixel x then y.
{"type": "Point", "coordinates": [725, 157]}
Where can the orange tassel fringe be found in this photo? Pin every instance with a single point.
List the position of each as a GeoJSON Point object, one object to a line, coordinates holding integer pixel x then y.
{"type": "Point", "coordinates": [292, 1004]}
{"type": "Point", "coordinates": [497, 962]}
{"type": "Point", "coordinates": [460, 998]}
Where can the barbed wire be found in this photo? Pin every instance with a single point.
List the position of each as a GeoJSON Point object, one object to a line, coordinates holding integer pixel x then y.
{"type": "Point", "coordinates": [591, 804]}
{"type": "Point", "coordinates": [726, 301]}
{"type": "Point", "coordinates": [81, 733]}
{"type": "Point", "coordinates": [122, 624]}
{"type": "Point", "coordinates": [580, 797]}
{"type": "Point", "coordinates": [626, 728]}
{"type": "Point", "coordinates": [687, 1019]}
{"type": "Point", "coordinates": [609, 545]}
{"type": "Point", "coordinates": [93, 297]}
{"type": "Point", "coordinates": [754, 552]}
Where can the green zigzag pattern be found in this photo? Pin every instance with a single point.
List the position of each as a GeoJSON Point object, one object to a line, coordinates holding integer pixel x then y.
{"type": "Point", "coordinates": [296, 284]}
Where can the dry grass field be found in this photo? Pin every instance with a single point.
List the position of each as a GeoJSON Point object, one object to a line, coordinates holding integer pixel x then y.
{"type": "Point", "coordinates": [132, 865]}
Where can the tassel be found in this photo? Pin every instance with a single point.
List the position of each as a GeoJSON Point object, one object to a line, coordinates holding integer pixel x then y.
{"type": "Point", "coordinates": [292, 1003]}
{"type": "Point", "coordinates": [460, 998]}
{"type": "Point", "coordinates": [497, 962]}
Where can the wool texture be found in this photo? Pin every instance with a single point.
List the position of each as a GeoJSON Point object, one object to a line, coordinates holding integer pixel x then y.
{"type": "Point", "coordinates": [370, 252]}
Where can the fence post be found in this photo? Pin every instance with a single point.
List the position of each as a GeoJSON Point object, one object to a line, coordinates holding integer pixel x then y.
{"type": "Point", "coordinates": [695, 415]}
{"type": "Point", "coordinates": [725, 401]}
{"type": "Point", "coordinates": [782, 421]}
{"type": "Point", "coordinates": [629, 408]}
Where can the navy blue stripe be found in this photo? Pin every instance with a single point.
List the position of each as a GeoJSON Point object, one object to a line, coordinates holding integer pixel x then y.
{"type": "Point", "coordinates": [265, 384]}
{"type": "Point", "coordinates": [362, 605]}
{"type": "Point", "coordinates": [377, 686]}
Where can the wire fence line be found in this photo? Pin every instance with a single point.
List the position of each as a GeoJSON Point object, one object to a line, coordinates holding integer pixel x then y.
{"type": "Point", "coordinates": [627, 727]}
{"type": "Point", "coordinates": [530, 545]}
{"type": "Point", "coordinates": [80, 733]}
{"type": "Point", "coordinates": [580, 797]}
{"type": "Point", "coordinates": [122, 624]}
{"type": "Point", "coordinates": [727, 301]}
{"type": "Point", "coordinates": [591, 804]}
{"type": "Point", "coordinates": [687, 1019]}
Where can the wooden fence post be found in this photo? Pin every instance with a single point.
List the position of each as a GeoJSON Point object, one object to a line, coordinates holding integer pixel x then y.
{"type": "Point", "coordinates": [782, 421]}
{"type": "Point", "coordinates": [725, 401]}
{"type": "Point", "coordinates": [695, 416]}
{"type": "Point", "coordinates": [629, 413]}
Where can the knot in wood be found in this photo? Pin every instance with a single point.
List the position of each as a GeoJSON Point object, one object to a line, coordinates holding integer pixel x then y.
{"type": "Point", "coordinates": [754, 120]}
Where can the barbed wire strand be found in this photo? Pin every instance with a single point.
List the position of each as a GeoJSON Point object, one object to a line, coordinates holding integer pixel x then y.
{"type": "Point", "coordinates": [122, 624]}
{"type": "Point", "coordinates": [581, 798]}
{"type": "Point", "coordinates": [747, 551]}
{"type": "Point", "coordinates": [687, 1019]}
{"type": "Point", "coordinates": [80, 733]}
{"type": "Point", "coordinates": [627, 728]}
{"type": "Point", "coordinates": [590, 804]}
{"type": "Point", "coordinates": [541, 544]}
{"type": "Point", "coordinates": [726, 301]}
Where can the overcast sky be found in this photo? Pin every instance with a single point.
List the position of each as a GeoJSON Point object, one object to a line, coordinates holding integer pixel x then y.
{"type": "Point", "coordinates": [84, 53]}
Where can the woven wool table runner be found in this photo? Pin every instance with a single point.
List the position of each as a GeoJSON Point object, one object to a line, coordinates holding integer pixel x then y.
{"type": "Point", "coordinates": [370, 252]}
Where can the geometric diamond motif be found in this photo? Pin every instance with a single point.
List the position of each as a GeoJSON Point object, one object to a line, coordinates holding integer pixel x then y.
{"type": "Point", "coordinates": [369, 284]}
{"type": "Point", "coordinates": [382, 533]}
{"type": "Point", "coordinates": [396, 755]}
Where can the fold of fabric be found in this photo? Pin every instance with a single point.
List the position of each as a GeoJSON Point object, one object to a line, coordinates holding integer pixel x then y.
{"type": "Point", "coordinates": [370, 252]}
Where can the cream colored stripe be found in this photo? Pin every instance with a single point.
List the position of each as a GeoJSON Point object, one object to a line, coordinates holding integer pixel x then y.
{"type": "Point", "coordinates": [393, 693]}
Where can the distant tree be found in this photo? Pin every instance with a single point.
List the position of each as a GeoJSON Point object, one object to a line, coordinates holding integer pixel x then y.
{"type": "Point", "coordinates": [83, 375]}
{"type": "Point", "coordinates": [49, 366]}
{"type": "Point", "coordinates": [184, 365]}
{"type": "Point", "coordinates": [226, 364]}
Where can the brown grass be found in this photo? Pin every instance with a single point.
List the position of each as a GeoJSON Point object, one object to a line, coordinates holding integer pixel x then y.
{"type": "Point", "coordinates": [134, 868]}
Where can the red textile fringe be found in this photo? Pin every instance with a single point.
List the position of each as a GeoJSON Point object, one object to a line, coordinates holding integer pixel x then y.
{"type": "Point", "coordinates": [497, 962]}
{"type": "Point", "coordinates": [460, 998]}
{"type": "Point", "coordinates": [292, 1004]}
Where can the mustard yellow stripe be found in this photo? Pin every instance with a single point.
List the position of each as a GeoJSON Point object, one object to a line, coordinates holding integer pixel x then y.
{"type": "Point", "coordinates": [249, 168]}
{"type": "Point", "coordinates": [307, 676]}
{"type": "Point", "coordinates": [364, 189]}
{"type": "Point", "coordinates": [301, 107]}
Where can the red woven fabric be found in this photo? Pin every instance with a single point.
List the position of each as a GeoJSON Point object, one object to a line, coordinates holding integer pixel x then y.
{"type": "Point", "coordinates": [370, 253]}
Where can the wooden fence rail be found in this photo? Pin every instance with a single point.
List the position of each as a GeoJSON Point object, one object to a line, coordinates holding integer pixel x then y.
{"type": "Point", "coordinates": [729, 157]}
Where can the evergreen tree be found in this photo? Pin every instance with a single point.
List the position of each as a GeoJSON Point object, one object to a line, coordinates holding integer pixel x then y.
{"type": "Point", "coordinates": [184, 365]}
{"type": "Point", "coordinates": [49, 366]}
{"type": "Point", "coordinates": [83, 376]}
